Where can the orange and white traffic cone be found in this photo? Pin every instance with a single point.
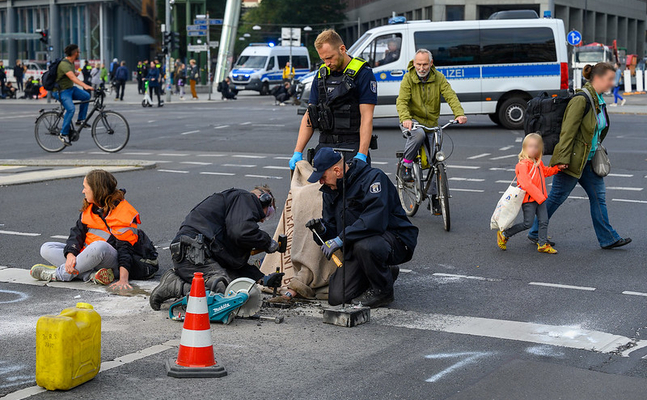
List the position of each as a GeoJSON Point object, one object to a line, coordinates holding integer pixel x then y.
{"type": "Point", "coordinates": [195, 358]}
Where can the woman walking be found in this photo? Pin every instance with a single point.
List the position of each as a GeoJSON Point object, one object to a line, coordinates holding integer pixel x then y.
{"type": "Point", "coordinates": [584, 128]}
{"type": "Point", "coordinates": [616, 88]}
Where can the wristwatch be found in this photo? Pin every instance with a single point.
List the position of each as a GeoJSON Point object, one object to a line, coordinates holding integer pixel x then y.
{"type": "Point", "coordinates": [288, 294]}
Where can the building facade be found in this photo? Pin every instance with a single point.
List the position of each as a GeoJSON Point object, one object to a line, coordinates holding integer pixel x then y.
{"type": "Point", "coordinates": [104, 30]}
{"type": "Point", "coordinates": [599, 21]}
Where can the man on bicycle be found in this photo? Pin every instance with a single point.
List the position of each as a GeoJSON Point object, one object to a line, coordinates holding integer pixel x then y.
{"type": "Point", "coordinates": [66, 92]}
{"type": "Point", "coordinates": [419, 102]}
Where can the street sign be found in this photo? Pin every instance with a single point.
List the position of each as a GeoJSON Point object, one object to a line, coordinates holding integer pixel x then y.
{"type": "Point", "coordinates": [200, 22]}
{"type": "Point", "coordinates": [214, 44]}
{"type": "Point", "coordinates": [291, 37]}
{"type": "Point", "coordinates": [197, 47]}
{"type": "Point", "coordinates": [574, 38]}
{"type": "Point", "coordinates": [195, 27]}
{"type": "Point", "coordinates": [215, 22]}
{"type": "Point", "coordinates": [196, 33]}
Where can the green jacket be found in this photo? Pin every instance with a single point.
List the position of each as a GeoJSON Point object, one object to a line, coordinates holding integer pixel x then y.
{"type": "Point", "coordinates": [421, 100]}
{"type": "Point", "coordinates": [103, 75]}
{"type": "Point", "coordinates": [576, 137]}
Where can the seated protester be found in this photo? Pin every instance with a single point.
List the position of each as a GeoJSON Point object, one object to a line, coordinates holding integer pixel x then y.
{"type": "Point", "coordinates": [378, 234]}
{"type": "Point", "coordinates": [225, 88]}
{"type": "Point", "coordinates": [9, 91]}
{"type": "Point", "coordinates": [104, 244]}
{"type": "Point", "coordinates": [217, 238]}
{"type": "Point", "coordinates": [283, 93]}
{"type": "Point", "coordinates": [42, 92]}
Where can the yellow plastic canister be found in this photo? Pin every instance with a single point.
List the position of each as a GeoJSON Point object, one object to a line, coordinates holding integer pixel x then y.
{"type": "Point", "coordinates": [68, 347]}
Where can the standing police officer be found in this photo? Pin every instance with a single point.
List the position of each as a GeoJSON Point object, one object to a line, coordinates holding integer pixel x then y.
{"type": "Point", "coordinates": [140, 78]}
{"type": "Point", "coordinates": [343, 96]}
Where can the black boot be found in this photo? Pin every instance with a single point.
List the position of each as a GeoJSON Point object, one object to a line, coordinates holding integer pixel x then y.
{"type": "Point", "coordinates": [395, 272]}
{"type": "Point", "coordinates": [171, 286]}
{"type": "Point", "coordinates": [374, 298]}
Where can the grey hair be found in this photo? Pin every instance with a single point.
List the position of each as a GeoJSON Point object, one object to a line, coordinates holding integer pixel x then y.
{"type": "Point", "coordinates": [427, 52]}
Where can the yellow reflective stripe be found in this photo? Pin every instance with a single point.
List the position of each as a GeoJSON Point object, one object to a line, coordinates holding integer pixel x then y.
{"type": "Point", "coordinates": [354, 66]}
{"type": "Point", "coordinates": [101, 233]}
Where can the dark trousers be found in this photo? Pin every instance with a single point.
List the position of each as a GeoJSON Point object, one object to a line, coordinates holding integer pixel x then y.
{"type": "Point", "coordinates": [19, 83]}
{"type": "Point", "coordinates": [530, 210]}
{"type": "Point", "coordinates": [120, 84]}
{"type": "Point", "coordinates": [212, 270]}
{"type": "Point", "coordinates": [140, 85]}
{"type": "Point", "coordinates": [156, 89]}
{"type": "Point", "coordinates": [348, 155]}
{"type": "Point", "coordinates": [367, 266]}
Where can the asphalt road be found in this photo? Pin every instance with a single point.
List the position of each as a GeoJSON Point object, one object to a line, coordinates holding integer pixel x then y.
{"type": "Point", "coordinates": [469, 320]}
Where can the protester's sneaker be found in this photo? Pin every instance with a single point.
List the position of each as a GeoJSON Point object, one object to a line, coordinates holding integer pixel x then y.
{"type": "Point", "coordinates": [82, 123]}
{"type": "Point", "coordinates": [104, 276]}
{"type": "Point", "coordinates": [536, 241]}
{"type": "Point", "coordinates": [613, 105]}
{"type": "Point", "coordinates": [622, 103]}
{"type": "Point", "coordinates": [405, 173]}
{"type": "Point", "coordinates": [501, 240]}
{"type": "Point", "coordinates": [547, 248]}
{"type": "Point", "coordinates": [67, 141]}
{"type": "Point", "coordinates": [43, 272]}
{"type": "Point", "coordinates": [435, 205]}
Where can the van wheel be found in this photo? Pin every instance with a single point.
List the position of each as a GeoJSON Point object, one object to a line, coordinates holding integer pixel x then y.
{"type": "Point", "coordinates": [511, 113]}
{"type": "Point", "coordinates": [494, 117]}
{"type": "Point", "coordinates": [265, 89]}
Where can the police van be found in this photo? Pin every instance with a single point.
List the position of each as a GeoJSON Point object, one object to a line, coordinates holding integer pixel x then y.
{"type": "Point", "coordinates": [495, 66]}
{"type": "Point", "coordinates": [260, 66]}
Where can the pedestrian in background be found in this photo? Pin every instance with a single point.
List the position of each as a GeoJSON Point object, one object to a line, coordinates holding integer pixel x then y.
{"type": "Point", "coordinates": [3, 78]}
{"type": "Point", "coordinates": [113, 69]}
{"type": "Point", "coordinates": [121, 76]}
{"type": "Point", "coordinates": [140, 78]}
{"type": "Point", "coordinates": [86, 71]}
{"type": "Point", "coordinates": [181, 79]}
{"type": "Point", "coordinates": [194, 75]}
{"type": "Point", "coordinates": [95, 76]}
{"type": "Point", "coordinates": [103, 75]}
{"type": "Point", "coordinates": [19, 75]}
{"type": "Point", "coordinates": [580, 137]}
{"type": "Point", "coordinates": [616, 88]}
{"type": "Point", "coordinates": [154, 82]}
{"type": "Point", "coordinates": [288, 72]}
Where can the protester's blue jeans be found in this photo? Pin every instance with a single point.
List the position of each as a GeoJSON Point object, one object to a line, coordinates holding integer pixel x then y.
{"type": "Point", "coordinates": [593, 185]}
{"type": "Point", "coordinates": [616, 94]}
{"type": "Point", "coordinates": [67, 97]}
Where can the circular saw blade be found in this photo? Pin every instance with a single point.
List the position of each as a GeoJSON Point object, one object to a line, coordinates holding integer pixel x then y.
{"type": "Point", "coordinates": [255, 300]}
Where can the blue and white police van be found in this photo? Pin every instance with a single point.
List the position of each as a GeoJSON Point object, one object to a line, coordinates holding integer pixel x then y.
{"type": "Point", "coordinates": [495, 66]}
{"type": "Point", "coordinates": [260, 66]}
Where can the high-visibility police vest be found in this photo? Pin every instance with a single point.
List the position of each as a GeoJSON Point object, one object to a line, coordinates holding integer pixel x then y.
{"type": "Point", "coordinates": [121, 222]}
{"type": "Point", "coordinates": [88, 67]}
{"type": "Point", "coordinates": [338, 97]}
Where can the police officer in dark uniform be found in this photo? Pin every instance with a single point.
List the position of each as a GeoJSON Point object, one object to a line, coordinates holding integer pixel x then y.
{"type": "Point", "coordinates": [140, 77]}
{"type": "Point", "coordinates": [87, 69]}
{"type": "Point", "coordinates": [3, 78]}
{"type": "Point", "coordinates": [378, 234]}
{"type": "Point", "coordinates": [343, 96]}
{"type": "Point", "coordinates": [217, 238]}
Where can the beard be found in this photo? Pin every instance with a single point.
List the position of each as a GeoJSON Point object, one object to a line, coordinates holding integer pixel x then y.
{"type": "Point", "coordinates": [422, 75]}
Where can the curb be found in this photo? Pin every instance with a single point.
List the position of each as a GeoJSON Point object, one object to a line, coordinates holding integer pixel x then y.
{"type": "Point", "coordinates": [80, 163]}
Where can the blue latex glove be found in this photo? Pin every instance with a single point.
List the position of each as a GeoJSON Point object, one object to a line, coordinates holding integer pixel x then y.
{"type": "Point", "coordinates": [360, 156]}
{"type": "Point", "coordinates": [296, 157]}
{"type": "Point", "coordinates": [330, 246]}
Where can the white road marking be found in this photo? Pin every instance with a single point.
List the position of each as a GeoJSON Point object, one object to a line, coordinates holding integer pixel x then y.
{"type": "Point", "coordinates": [622, 175]}
{"type": "Point", "coordinates": [478, 278]}
{"type": "Point", "coordinates": [172, 154]}
{"type": "Point", "coordinates": [630, 189]}
{"type": "Point", "coordinates": [502, 169]}
{"type": "Point", "coordinates": [264, 176]}
{"type": "Point", "coordinates": [470, 358]}
{"type": "Point", "coordinates": [196, 163]}
{"type": "Point", "coordinates": [14, 233]}
{"type": "Point", "coordinates": [211, 155]}
{"type": "Point", "coordinates": [173, 171]}
{"type": "Point", "coordinates": [379, 162]}
{"type": "Point", "coordinates": [478, 156]}
{"type": "Point", "coordinates": [275, 167]}
{"type": "Point", "coordinates": [273, 125]}
{"type": "Point", "coordinates": [463, 166]}
{"type": "Point", "coordinates": [217, 173]}
{"type": "Point", "coordinates": [189, 132]}
{"type": "Point", "coordinates": [557, 285]}
{"type": "Point", "coordinates": [245, 123]}
{"type": "Point", "coordinates": [162, 161]}
{"type": "Point", "coordinates": [641, 344]}
{"type": "Point", "coordinates": [630, 201]}
{"type": "Point", "coordinates": [466, 179]}
{"type": "Point", "coordinates": [136, 153]}
{"type": "Point", "coordinates": [247, 156]}
{"type": "Point", "coordinates": [578, 197]}
{"type": "Point", "coordinates": [59, 236]}
{"type": "Point", "coordinates": [506, 156]}
{"type": "Point", "coordinates": [507, 147]}
{"type": "Point", "coordinates": [629, 292]}
{"type": "Point", "coordinates": [221, 127]}
{"type": "Point", "coordinates": [518, 140]}
{"type": "Point", "coordinates": [239, 165]}
{"type": "Point", "coordinates": [466, 190]}
{"type": "Point", "coordinates": [152, 120]}
{"type": "Point", "coordinates": [282, 158]}
{"type": "Point", "coordinates": [503, 181]}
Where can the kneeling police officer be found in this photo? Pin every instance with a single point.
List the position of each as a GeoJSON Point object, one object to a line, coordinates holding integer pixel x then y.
{"type": "Point", "coordinates": [378, 234]}
{"type": "Point", "coordinates": [217, 238]}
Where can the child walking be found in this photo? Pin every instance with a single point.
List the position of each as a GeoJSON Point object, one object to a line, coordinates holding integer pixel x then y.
{"type": "Point", "coordinates": [531, 177]}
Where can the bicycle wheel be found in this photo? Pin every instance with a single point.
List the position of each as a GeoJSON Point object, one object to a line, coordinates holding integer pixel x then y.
{"type": "Point", "coordinates": [110, 131]}
{"type": "Point", "coordinates": [409, 192]}
{"type": "Point", "coordinates": [47, 130]}
{"type": "Point", "coordinates": [443, 195]}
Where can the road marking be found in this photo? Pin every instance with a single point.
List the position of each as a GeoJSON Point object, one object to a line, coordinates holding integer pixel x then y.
{"type": "Point", "coordinates": [478, 278]}
{"type": "Point", "coordinates": [152, 120]}
{"type": "Point", "coordinates": [502, 169]}
{"type": "Point", "coordinates": [478, 156]}
{"type": "Point", "coordinates": [196, 163]}
{"type": "Point", "coordinates": [264, 176]}
{"type": "Point", "coordinates": [136, 153]}
{"type": "Point", "coordinates": [629, 292]}
{"type": "Point", "coordinates": [466, 190]}
{"type": "Point", "coordinates": [506, 156]}
{"type": "Point", "coordinates": [247, 156]}
{"type": "Point", "coordinates": [518, 140]}
{"type": "Point", "coordinates": [622, 175]}
{"type": "Point", "coordinates": [211, 155]}
{"type": "Point", "coordinates": [463, 166]}
{"type": "Point", "coordinates": [507, 147]}
{"type": "Point", "coordinates": [578, 197]}
{"type": "Point", "coordinates": [557, 285]}
{"type": "Point", "coordinates": [172, 154]}
{"type": "Point", "coordinates": [245, 123]}
{"type": "Point", "coordinates": [19, 233]}
{"type": "Point", "coordinates": [466, 179]}
{"type": "Point", "coordinates": [380, 162]}
{"type": "Point", "coordinates": [630, 201]}
{"type": "Point", "coordinates": [631, 189]}
{"type": "Point", "coordinates": [221, 126]}
{"type": "Point", "coordinates": [282, 158]}
{"type": "Point", "coordinates": [272, 125]}
{"type": "Point", "coordinates": [239, 165]}
{"type": "Point", "coordinates": [217, 173]}
{"type": "Point", "coordinates": [275, 167]}
{"type": "Point", "coordinates": [20, 296]}
{"type": "Point", "coordinates": [503, 181]}
{"type": "Point", "coordinates": [189, 132]}
{"type": "Point", "coordinates": [59, 237]}
{"type": "Point", "coordinates": [173, 171]}
{"type": "Point", "coordinates": [471, 358]}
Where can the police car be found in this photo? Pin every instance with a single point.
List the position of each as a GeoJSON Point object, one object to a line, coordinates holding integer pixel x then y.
{"type": "Point", "coordinates": [495, 66]}
{"type": "Point", "coordinates": [260, 66]}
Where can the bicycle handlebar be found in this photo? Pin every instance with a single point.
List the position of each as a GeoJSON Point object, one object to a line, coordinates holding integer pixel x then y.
{"type": "Point", "coordinates": [435, 128]}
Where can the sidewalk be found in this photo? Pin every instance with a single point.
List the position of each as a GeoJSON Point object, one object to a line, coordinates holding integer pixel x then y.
{"type": "Point", "coordinates": [636, 104]}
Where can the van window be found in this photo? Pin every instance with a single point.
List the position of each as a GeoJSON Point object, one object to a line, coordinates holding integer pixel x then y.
{"type": "Point", "coordinates": [455, 47]}
{"type": "Point", "coordinates": [251, 61]}
{"type": "Point", "coordinates": [383, 50]}
{"type": "Point", "coordinates": [298, 62]}
{"type": "Point", "coordinates": [270, 65]}
{"type": "Point", "coordinates": [518, 45]}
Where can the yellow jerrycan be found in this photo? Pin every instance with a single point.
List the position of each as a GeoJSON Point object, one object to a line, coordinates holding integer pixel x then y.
{"type": "Point", "coordinates": [68, 347]}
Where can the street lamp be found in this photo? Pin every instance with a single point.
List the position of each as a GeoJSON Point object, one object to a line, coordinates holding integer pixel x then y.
{"type": "Point", "coordinates": [308, 29]}
{"type": "Point", "coordinates": [256, 28]}
{"type": "Point", "coordinates": [247, 35]}
{"type": "Point", "coordinates": [241, 38]}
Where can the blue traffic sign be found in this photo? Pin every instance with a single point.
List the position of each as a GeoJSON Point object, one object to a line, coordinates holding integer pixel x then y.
{"type": "Point", "coordinates": [195, 27]}
{"type": "Point", "coordinates": [196, 33]}
{"type": "Point", "coordinates": [215, 22]}
{"type": "Point", "coordinates": [200, 22]}
{"type": "Point", "coordinates": [574, 38]}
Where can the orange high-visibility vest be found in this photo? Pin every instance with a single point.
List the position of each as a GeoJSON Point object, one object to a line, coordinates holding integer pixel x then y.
{"type": "Point", "coordinates": [122, 222]}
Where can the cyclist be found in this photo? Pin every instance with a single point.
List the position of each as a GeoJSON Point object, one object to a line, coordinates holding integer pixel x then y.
{"type": "Point", "coordinates": [66, 92]}
{"type": "Point", "coordinates": [419, 101]}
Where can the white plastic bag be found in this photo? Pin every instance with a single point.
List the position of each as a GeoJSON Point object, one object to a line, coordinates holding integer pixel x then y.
{"type": "Point", "coordinates": [507, 208]}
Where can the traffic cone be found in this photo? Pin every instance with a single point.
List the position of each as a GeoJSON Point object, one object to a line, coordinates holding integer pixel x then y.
{"type": "Point", "coordinates": [195, 358]}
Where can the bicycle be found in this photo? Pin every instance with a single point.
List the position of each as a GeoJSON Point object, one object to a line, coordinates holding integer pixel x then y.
{"type": "Point", "coordinates": [424, 169]}
{"type": "Point", "coordinates": [110, 129]}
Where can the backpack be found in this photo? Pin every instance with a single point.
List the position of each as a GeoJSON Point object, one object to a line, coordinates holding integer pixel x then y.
{"type": "Point", "coordinates": [544, 115]}
{"type": "Point", "coordinates": [144, 258]}
{"type": "Point", "coordinates": [49, 77]}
